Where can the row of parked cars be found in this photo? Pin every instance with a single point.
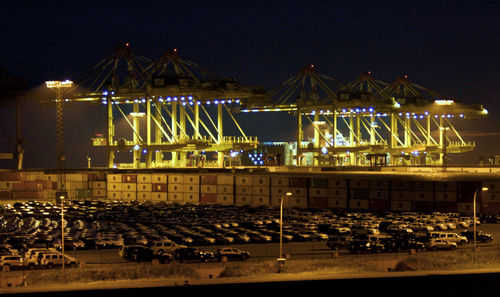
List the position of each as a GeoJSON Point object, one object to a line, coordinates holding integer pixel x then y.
{"type": "Point", "coordinates": [36, 258]}
{"type": "Point", "coordinates": [97, 224]}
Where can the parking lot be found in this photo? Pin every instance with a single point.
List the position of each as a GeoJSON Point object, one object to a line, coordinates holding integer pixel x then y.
{"type": "Point", "coordinates": [95, 230]}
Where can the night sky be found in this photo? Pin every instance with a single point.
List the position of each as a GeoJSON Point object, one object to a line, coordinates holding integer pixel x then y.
{"type": "Point", "coordinates": [451, 47]}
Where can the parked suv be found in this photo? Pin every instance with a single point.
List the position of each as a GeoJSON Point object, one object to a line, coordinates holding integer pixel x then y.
{"type": "Point", "coordinates": [440, 244]}
{"type": "Point", "coordinates": [338, 241]}
{"type": "Point", "coordinates": [50, 260]}
{"type": "Point", "coordinates": [164, 246]}
{"type": "Point", "coordinates": [450, 236]}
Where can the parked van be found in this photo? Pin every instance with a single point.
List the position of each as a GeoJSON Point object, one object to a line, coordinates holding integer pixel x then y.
{"type": "Point", "coordinates": [50, 260]}
{"type": "Point", "coordinates": [449, 236]}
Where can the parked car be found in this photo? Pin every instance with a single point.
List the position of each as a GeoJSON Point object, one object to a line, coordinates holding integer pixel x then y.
{"type": "Point", "coordinates": [164, 246]}
{"type": "Point", "coordinates": [232, 254]}
{"type": "Point", "coordinates": [335, 242]}
{"type": "Point", "coordinates": [12, 262]}
{"type": "Point", "coordinates": [188, 254]}
{"type": "Point", "coordinates": [50, 260]}
{"type": "Point", "coordinates": [440, 244]}
{"type": "Point", "coordinates": [480, 236]}
{"type": "Point", "coordinates": [139, 253]}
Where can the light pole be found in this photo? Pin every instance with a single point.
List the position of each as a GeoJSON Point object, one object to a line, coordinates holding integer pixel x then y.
{"type": "Point", "coordinates": [61, 158]}
{"type": "Point", "coordinates": [287, 194]}
{"type": "Point", "coordinates": [474, 218]}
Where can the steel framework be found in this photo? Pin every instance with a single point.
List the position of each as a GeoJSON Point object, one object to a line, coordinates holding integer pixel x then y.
{"type": "Point", "coordinates": [367, 122]}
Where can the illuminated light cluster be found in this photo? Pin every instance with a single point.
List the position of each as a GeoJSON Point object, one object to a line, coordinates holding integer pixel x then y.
{"type": "Point", "coordinates": [256, 158]}
{"type": "Point", "coordinates": [222, 101]}
{"type": "Point", "coordinates": [443, 102]}
{"type": "Point", "coordinates": [358, 110]}
{"type": "Point", "coordinates": [59, 84]}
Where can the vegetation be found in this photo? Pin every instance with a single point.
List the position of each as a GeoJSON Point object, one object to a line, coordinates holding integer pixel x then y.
{"type": "Point", "coordinates": [427, 261]}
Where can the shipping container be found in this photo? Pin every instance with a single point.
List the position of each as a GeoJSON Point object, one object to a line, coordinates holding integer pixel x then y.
{"type": "Point", "coordinates": [37, 194]}
{"type": "Point", "coordinates": [445, 186]}
{"type": "Point", "coordinates": [50, 177]}
{"type": "Point", "coordinates": [159, 187]}
{"type": "Point", "coordinates": [192, 197]}
{"type": "Point", "coordinates": [279, 191]}
{"type": "Point", "coordinates": [98, 193]}
{"type": "Point", "coordinates": [337, 183]}
{"type": "Point", "coordinates": [175, 188]}
{"type": "Point", "coordinates": [129, 187]}
{"type": "Point", "coordinates": [240, 199]}
{"type": "Point", "coordinates": [359, 184]}
{"type": "Point", "coordinates": [175, 196]}
{"type": "Point", "coordinates": [261, 190]}
{"type": "Point", "coordinates": [114, 186]}
{"type": "Point", "coordinates": [175, 179]}
{"type": "Point", "coordinates": [243, 190]}
{"type": "Point", "coordinates": [401, 205]}
{"type": "Point", "coordinates": [260, 200]}
{"type": "Point", "coordinates": [145, 187]}
{"type": "Point", "coordinates": [144, 178]}
{"type": "Point", "coordinates": [129, 178]}
{"type": "Point", "coordinates": [423, 196]}
{"type": "Point", "coordinates": [422, 185]}
{"type": "Point", "coordinates": [378, 184]}
{"type": "Point", "coordinates": [338, 193]}
{"type": "Point", "coordinates": [225, 199]}
{"type": "Point", "coordinates": [489, 209]}
{"type": "Point", "coordinates": [297, 202]}
{"type": "Point", "coordinates": [243, 180]}
{"type": "Point", "coordinates": [208, 188]}
{"type": "Point", "coordinates": [280, 181]}
{"type": "Point", "coordinates": [76, 177]}
{"type": "Point", "coordinates": [33, 176]}
{"type": "Point", "coordinates": [159, 178]}
{"type": "Point", "coordinates": [318, 202]}
{"type": "Point", "coordinates": [191, 179]}
{"type": "Point", "coordinates": [488, 197]}
{"type": "Point", "coordinates": [402, 195]}
{"type": "Point", "coordinates": [144, 196]}
{"type": "Point", "coordinates": [129, 196]}
{"type": "Point", "coordinates": [318, 192]}
{"type": "Point", "coordinates": [225, 189]}
{"type": "Point", "coordinates": [260, 180]}
{"type": "Point", "coordinates": [114, 195]}
{"type": "Point", "coordinates": [114, 178]}
{"type": "Point", "coordinates": [401, 185]}
{"type": "Point", "coordinates": [445, 196]}
{"type": "Point", "coordinates": [5, 195]}
{"type": "Point", "coordinates": [10, 176]}
{"type": "Point", "coordinates": [379, 194]}
{"type": "Point", "coordinates": [317, 182]}
{"type": "Point", "coordinates": [208, 179]}
{"type": "Point", "coordinates": [159, 196]}
{"type": "Point", "coordinates": [97, 185]}
{"type": "Point", "coordinates": [208, 198]}
{"type": "Point", "coordinates": [27, 186]}
{"type": "Point", "coordinates": [466, 208]}
{"type": "Point", "coordinates": [359, 193]}
{"type": "Point", "coordinates": [359, 204]}
{"type": "Point", "coordinates": [298, 182]}
{"type": "Point", "coordinates": [298, 191]}
{"type": "Point", "coordinates": [491, 185]}
{"type": "Point", "coordinates": [7, 185]}
{"type": "Point", "coordinates": [225, 179]}
{"type": "Point", "coordinates": [337, 203]}
{"type": "Point", "coordinates": [83, 193]}
{"type": "Point", "coordinates": [191, 188]}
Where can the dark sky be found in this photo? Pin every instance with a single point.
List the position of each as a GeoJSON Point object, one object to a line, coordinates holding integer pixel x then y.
{"type": "Point", "coordinates": [451, 47]}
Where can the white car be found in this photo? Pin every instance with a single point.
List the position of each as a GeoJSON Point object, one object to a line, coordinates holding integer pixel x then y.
{"type": "Point", "coordinates": [10, 262]}
{"type": "Point", "coordinates": [440, 244]}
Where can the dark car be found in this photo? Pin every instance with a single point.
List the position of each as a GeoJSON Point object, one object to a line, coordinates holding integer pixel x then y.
{"type": "Point", "coordinates": [138, 253]}
{"type": "Point", "coordinates": [232, 254]}
{"type": "Point", "coordinates": [188, 254]}
{"type": "Point", "coordinates": [480, 236]}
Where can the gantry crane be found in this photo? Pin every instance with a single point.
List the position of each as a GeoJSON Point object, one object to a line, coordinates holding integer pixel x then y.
{"type": "Point", "coordinates": [368, 121]}
{"type": "Point", "coordinates": [173, 95]}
